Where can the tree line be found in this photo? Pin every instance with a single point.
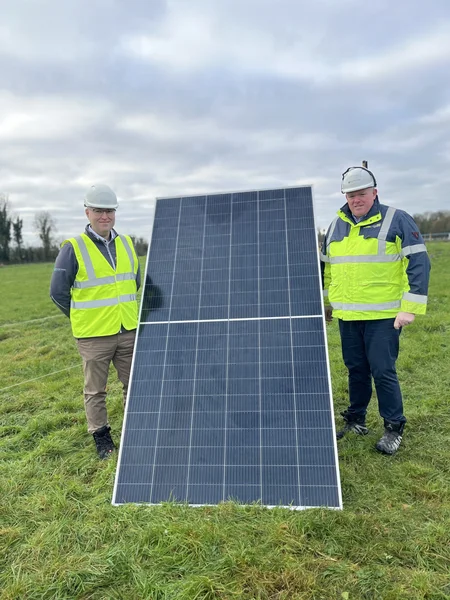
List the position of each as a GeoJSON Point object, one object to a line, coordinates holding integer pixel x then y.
{"type": "Point", "coordinates": [12, 248]}
{"type": "Point", "coordinates": [433, 222]}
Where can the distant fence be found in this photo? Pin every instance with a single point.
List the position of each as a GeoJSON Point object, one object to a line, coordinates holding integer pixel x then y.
{"type": "Point", "coordinates": [445, 237]}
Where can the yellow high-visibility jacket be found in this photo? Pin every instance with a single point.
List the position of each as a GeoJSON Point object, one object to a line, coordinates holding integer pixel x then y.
{"type": "Point", "coordinates": [375, 268]}
{"type": "Point", "coordinates": [103, 299]}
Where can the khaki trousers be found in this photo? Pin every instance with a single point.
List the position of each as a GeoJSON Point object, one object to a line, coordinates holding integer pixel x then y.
{"type": "Point", "coordinates": [97, 354]}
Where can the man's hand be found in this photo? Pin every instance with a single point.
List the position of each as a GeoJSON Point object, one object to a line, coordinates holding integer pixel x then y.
{"type": "Point", "coordinates": [402, 319]}
{"type": "Point", "coordinates": [328, 314]}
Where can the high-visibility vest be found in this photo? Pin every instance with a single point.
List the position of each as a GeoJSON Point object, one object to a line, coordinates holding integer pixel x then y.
{"type": "Point", "coordinates": [365, 275]}
{"type": "Point", "coordinates": [103, 299]}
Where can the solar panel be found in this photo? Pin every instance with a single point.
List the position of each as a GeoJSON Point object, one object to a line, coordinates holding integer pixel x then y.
{"type": "Point", "coordinates": [230, 395]}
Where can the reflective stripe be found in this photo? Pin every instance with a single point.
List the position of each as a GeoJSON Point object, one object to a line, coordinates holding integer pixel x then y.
{"type": "Point", "coordinates": [413, 249]}
{"type": "Point", "coordinates": [330, 233]}
{"type": "Point", "coordinates": [86, 258]}
{"type": "Point", "coordinates": [128, 249]}
{"type": "Point", "coordinates": [364, 258]}
{"type": "Point", "coordinates": [125, 276]}
{"type": "Point", "coordinates": [94, 283]}
{"type": "Point", "coordinates": [324, 258]}
{"type": "Point", "coordinates": [415, 298]}
{"type": "Point", "coordinates": [325, 293]}
{"type": "Point", "coordinates": [384, 230]}
{"type": "Point", "coordinates": [102, 303]}
{"type": "Point", "coordinates": [363, 307]}
{"type": "Point", "coordinates": [104, 280]}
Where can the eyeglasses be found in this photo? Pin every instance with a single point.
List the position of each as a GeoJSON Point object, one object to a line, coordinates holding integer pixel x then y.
{"type": "Point", "coordinates": [99, 211]}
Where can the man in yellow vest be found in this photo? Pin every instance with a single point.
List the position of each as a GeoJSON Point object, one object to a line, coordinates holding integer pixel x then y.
{"type": "Point", "coordinates": [375, 271]}
{"type": "Point", "coordinates": [94, 283]}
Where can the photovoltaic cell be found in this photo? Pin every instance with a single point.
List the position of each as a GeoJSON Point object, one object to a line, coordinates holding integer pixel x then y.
{"type": "Point", "coordinates": [230, 391]}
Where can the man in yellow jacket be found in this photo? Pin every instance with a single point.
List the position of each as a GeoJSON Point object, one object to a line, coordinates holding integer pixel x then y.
{"type": "Point", "coordinates": [375, 272]}
{"type": "Point", "coordinates": [94, 283]}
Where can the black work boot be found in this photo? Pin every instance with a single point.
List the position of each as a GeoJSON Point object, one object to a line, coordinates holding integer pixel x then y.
{"type": "Point", "coordinates": [355, 423]}
{"type": "Point", "coordinates": [104, 443]}
{"type": "Point", "coordinates": [392, 438]}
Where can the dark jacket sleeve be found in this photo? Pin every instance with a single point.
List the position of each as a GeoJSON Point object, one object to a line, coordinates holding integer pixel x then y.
{"type": "Point", "coordinates": [325, 270]}
{"type": "Point", "coordinates": [138, 276]}
{"type": "Point", "coordinates": [63, 277]}
{"type": "Point", "coordinates": [414, 249]}
{"type": "Point", "coordinates": [322, 255]}
{"type": "Point", "coordinates": [417, 264]}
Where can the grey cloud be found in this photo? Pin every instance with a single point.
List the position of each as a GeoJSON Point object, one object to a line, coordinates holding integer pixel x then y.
{"type": "Point", "coordinates": [274, 103]}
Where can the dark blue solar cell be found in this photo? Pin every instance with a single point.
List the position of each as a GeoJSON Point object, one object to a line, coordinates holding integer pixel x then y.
{"type": "Point", "coordinates": [214, 312]}
{"type": "Point", "coordinates": [274, 495]}
{"type": "Point", "coordinates": [243, 402]}
{"type": "Point", "coordinates": [207, 438]}
{"type": "Point", "coordinates": [141, 438]}
{"type": "Point", "coordinates": [229, 396]}
{"type": "Point", "coordinates": [243, 438]}
{"type": "Point", "coordinates": [140, 493]}
{"type": "Point", "coordinates": [201, 494]}
{"type": "Point", "coordinates": [243, 475]}
{"type": "Point", "coordinates": [244, 494]}
{"type": "Point", "coordinates": [281, 400]}
{"type": "Point", "coordinates": [142, 421]}
{"type": "Point", "coordinates": [317, 401]}
{"type": "Point", "coordinates": [268, 195]}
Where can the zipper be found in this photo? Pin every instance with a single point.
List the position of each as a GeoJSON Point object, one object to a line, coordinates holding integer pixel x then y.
{"type": "Point", "coordinates": [114, 266]}
{"type": "Point", "coordinates": [110, 256]}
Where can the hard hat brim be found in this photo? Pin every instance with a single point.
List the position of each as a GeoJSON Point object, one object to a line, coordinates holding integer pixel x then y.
{"type": "Point", "coordinates": [356, 188]}
{"type": "Point", "coordinates": [99, 205]}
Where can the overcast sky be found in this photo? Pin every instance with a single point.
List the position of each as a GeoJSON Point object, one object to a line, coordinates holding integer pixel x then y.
{"type": "Point", "coordinates": [171, 97]}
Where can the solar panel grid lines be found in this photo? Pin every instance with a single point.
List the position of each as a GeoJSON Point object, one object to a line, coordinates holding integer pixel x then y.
{"type": "Point", "coordinates": [292, 353]}
{"type": "Point", "coordinates": [261, 441]}
{"type": "Point", "coordinates": [230, 390]}
{"type": "Point", "coordinates": [196, 356]}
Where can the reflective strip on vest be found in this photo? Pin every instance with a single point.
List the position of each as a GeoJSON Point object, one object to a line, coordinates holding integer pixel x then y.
{"type": "Point", "coordinates": [364, 258]}
{"type": "Point", "coordinates": [415, 298]}
{"type": "Point", "coordinates": [94, 281]}
{"type": "Point", "coordinates": [324, 258]}
{"type": "Point", "coordinates": [86, 258]}
{"type": "Point", "coordinates": [366, 307]}
{"type": "Point", "coordinates": [103, 280]}
{"type": "Point", "coordinates": [102, 303]}
{"type": "Point", "coordinates": [381, 257]}
{"type": "Point", "coordinates": [128, 249]}
{"type": "Point", "coordinates": [384, 229]}
{"type": "Point", "coordinates": [407, 250]}
{"type": "Point", "coordinates": [325, 293]}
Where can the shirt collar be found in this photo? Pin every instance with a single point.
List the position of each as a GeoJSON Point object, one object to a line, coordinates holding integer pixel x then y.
{"type": "Point", "coordinates": [100, 238]}
{"type": "Point", "coordinates": [358, 219]}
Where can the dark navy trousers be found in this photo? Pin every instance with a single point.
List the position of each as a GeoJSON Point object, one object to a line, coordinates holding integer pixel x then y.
{"type": "Point", "coordinates": [370, 349]}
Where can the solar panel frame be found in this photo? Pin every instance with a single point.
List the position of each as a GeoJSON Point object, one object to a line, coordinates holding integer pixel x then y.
{"type": "Point", "coordinates": [339, 504]}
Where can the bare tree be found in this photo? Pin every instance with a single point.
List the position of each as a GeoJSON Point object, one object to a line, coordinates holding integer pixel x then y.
{"type": "Point", "coordinates": [45, 227]}
{"type": "Point", "coordinates": [17, 235]}
{"type": "Point", "coordinates": [5, 228]}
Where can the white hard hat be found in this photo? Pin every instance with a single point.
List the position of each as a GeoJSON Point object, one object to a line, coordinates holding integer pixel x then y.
{"type": "Point", "coordinates": [100, 196]}
{"type": "Point", "coordinates": [357, 178]}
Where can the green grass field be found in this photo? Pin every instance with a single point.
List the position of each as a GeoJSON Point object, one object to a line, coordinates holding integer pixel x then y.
{"type": "Point", "coordinates": [61, 538]}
